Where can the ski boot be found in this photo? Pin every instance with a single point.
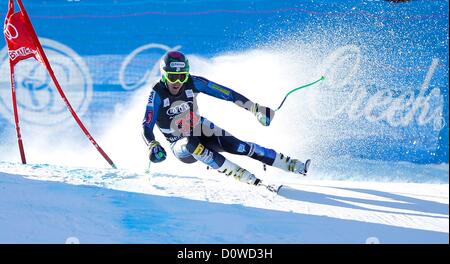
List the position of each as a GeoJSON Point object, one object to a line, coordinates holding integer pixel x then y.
{"type": "Point", "coordinates": [239, 173]}
{"type": "Point", "coordinates": [292, 165]}
{"type": "Point", "coordinates": [242, 175]}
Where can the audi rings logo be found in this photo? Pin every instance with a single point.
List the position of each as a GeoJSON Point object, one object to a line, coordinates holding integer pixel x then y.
{"type": "Point", "coordinates": [178, 109]}
{"type": "Point", "coordinates": [37, 98]}
{"type": "Point", "coordinates": [10, 31]}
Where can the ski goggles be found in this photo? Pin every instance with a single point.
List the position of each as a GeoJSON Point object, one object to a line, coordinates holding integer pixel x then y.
{"type": "Point", "coordinates": [176, 77]}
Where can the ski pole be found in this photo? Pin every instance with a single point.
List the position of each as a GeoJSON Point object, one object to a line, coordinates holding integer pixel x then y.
{"type": "Point", "coordinates": [147, 171]}
{"type": "Point", "coordinates": [298, 88]}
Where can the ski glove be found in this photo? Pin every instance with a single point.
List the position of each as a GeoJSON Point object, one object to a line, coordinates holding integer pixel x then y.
{"type": "Point", "coordinates": [263, 114]}
{"type": "Point", "coordinates": [157, 153]}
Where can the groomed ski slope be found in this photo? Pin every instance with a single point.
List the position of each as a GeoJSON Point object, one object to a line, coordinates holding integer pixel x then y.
{"type": "Point", "coordinates": [49, 204]}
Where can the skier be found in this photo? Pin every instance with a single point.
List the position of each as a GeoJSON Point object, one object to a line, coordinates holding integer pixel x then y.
{"type": "Point", "coordinates": [173, 108]}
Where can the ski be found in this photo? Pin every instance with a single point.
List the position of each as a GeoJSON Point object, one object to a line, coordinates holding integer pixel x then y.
{"type": "Point", "coordinates": [271, 187]}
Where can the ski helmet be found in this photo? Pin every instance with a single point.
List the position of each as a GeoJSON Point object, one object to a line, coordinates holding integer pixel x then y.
{"type": "Point", "coordinates": [174, 67]}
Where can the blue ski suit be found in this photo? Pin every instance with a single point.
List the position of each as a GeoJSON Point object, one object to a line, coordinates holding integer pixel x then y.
{"type": "Point", "coordinates": [191, 136]}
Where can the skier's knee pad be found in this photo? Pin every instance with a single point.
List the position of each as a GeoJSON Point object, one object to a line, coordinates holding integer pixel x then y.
{"type": "Point", "coordinates": [180, 151]}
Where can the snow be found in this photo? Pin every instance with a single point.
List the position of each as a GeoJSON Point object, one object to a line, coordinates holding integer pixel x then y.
{"type": "Point", "coordinates": [50, 204]}
{"type": "Point", "coordinates": [376, 128]}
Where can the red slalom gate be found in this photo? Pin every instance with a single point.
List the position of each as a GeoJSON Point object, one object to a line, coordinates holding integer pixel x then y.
{"type": "Point", "coordinates": [23, 43]}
